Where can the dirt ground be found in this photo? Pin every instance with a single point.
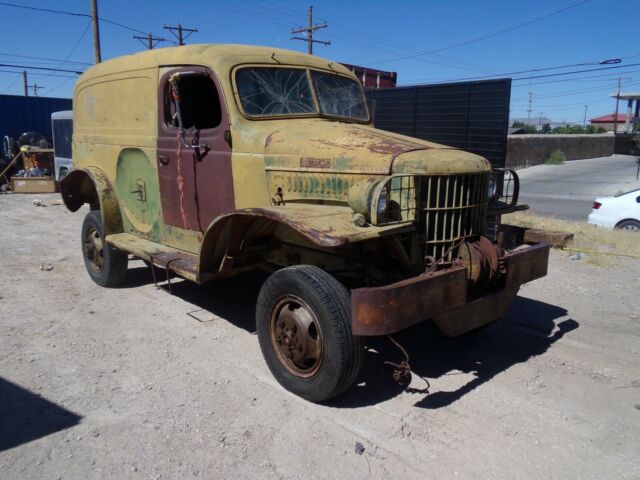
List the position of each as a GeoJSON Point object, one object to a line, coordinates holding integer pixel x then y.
{"type": "Point", "coordinates": [124, 383]}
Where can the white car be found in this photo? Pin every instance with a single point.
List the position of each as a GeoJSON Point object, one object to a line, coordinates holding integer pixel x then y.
{"type": "Point", "coordinates": [621, 211]}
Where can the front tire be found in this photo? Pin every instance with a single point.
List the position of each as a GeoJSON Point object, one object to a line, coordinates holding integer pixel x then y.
{"type": "Point", "coordinates": [106, 265]}
{"type": "Point", "coordinates": [304, 328]}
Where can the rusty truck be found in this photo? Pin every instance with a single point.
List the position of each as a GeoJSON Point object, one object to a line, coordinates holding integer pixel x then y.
{"type": "Point", "coordinates": [211, 160]}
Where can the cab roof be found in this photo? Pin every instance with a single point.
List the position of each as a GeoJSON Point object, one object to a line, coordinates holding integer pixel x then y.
{"type": "Point", "coordinates": [221, 57]}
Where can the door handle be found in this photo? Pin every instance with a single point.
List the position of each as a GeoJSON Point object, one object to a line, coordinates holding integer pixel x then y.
{"type": "Point", "coordinates": [163, 159]}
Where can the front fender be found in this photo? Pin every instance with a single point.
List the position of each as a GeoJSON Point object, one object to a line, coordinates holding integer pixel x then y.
{"type": "Point", "coordinates": [91, 185]}
{"type": "Point", "coordinates": [326, 226]}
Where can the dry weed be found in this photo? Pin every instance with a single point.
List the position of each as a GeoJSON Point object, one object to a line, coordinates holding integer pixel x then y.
{"type": "Point", "coordinates": [587, 238]}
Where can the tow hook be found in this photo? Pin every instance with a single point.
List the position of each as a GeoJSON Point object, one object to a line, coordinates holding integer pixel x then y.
{"type": "Point", "coordinates": [402, 370]}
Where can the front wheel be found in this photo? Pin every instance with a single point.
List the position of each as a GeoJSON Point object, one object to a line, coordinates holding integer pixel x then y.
{"type": "Point", "coordinates": [106, 265]}
{"type": "Point", "coordinates": [304, 328]}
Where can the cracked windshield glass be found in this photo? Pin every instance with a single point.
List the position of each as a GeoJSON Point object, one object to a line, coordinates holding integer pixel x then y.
{"type": "Point", "coordinates": [285, 91]}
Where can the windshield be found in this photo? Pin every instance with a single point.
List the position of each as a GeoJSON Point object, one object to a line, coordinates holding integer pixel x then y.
{"type": "Point", "coordinates": [267, 91]}
{"type": "Point", "coordinates": [340, 96]}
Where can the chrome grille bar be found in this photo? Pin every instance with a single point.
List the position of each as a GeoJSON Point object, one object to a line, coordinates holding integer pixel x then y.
{"type": "Point", "coordinates": [454, 209]}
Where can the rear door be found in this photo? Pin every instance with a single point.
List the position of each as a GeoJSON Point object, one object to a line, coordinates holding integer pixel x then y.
{"type": "Point", "coordinates": [196, 183]}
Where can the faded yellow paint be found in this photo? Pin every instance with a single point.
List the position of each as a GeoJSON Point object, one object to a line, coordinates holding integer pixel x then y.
{"type": "Point", "coordinates": [313, 160]}
{"type": "Point", "coordinates": [249, 180]}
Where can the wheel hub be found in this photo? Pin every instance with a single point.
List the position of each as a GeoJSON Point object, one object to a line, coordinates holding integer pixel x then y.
{"type": "Point", "coordinates": [295, 335]}
{"type": "Point", "coordinates": [93, 249]}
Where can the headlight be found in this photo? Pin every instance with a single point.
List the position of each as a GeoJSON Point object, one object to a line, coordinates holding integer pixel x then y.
{"type": "Point", "coordinates": [387, 200]}
{"type": "Point", "coordinates": [383, 202]}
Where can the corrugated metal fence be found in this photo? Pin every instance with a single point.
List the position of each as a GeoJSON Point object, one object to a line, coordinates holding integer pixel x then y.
{"type": "Point", "coordinates": [471, 116]}
{"type": "Point", "coordinates": [19, 114]}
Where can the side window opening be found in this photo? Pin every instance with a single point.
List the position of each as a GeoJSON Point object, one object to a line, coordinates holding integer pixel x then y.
{"type": "Point", "coordinates": [199, 102]}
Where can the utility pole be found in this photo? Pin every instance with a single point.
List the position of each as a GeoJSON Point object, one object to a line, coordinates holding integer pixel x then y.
{"type": "Point", "coordinates": [96, 31]}
{"type": "Point", "coordinates": [584, 122]}
{"type": "Point", "coordinates": [529, 109]}
{"type": "Point", "coordinates": [35, 89]}
{"type": "Point", "coordinates": [24, 83]}
{"type": "Point", "coordinates": [615, 117]}
{"type": "Point", "coordinates": [180, 35]}
{"type": "Point", "coordinates": [150, 41]}
{"type": "Point", "coordinates": [540, 121]}
{"type": "Point", "coordinates": [308, 31]}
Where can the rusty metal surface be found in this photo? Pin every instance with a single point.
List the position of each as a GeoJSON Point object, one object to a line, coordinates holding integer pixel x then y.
{"type": "Point", "coordinates": [442, 296]}
{"type": "Point", "coordinates": [391, 308]}
{"type": "Point", "coordinates": [527, 264]}
{"type": "Point", "coordinates": [183, 263]}
{"type": "Point", "coordinates": [474, 314]}
{"type": "Point", "coordinates": [91, 185]}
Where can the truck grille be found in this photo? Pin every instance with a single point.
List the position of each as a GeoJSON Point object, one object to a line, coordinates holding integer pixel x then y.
{"type": "Point", "coordinates": [450, 208]}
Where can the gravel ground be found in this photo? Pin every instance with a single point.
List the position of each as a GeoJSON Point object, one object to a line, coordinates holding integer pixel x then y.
{"type": "Point", "coordinates": [124, 383]}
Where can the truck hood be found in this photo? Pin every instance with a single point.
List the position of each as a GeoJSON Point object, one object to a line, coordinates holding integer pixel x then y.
{"type": "Point", "coordinates": [321, 145]}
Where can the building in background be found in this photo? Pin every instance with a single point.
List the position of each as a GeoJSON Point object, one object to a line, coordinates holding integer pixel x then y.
{"type": "Point", "coordinates": [371, 78]}
{"type": "Point", "coordinates": [607, 121]}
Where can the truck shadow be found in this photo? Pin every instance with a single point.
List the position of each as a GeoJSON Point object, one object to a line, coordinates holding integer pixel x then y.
{"type": "Point", "coordinates": [25, 416]}
{"type": "Point", "coordinates": [528, 329]}
{"type": "Point", "coordinates": [233, 299]}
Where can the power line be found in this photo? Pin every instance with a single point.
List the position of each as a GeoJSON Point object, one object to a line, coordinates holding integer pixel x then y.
{"type": "Point", "coordinates": [39, 68]}
{"type": "Point", "coordinates": [539, 76]}
{"type": "Point", "coordinates": [576, 71]}
{"type": "Point", "coordinates": [74, 48]}
{"type": "Point", "coordinates": [611, 61]}
{"type": "Point", "coordinates": [486, 35]}
{"type": "Point", "coordinates": [39, 74]}
{"type": "Point", "coordinates": [73, 14]}
{"type": "Point", "coordinates": [52, 60]}
{"type": "Point", "coordinates": [559, 80]}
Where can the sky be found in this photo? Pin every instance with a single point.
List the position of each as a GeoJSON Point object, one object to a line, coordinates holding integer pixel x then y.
{"type": "Point", "coordinates": [423, 41]}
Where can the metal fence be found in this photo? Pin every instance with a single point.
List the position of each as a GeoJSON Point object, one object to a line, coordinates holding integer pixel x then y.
{"type": "Point", "coordinates": [19, 114]}
{"type": "Point", "coordinates": [472, 116]}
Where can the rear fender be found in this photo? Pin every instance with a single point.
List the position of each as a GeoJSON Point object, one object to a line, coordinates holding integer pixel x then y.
{"type": "Point", "coordinates": [91, 185]}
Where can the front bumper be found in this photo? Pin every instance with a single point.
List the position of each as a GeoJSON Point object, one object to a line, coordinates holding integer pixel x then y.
{"type": "Point", "coordinates": [442, 296]}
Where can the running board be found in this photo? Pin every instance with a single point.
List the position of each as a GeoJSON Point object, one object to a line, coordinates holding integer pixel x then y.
{"type": "Point", "coordinates": [183, 263]}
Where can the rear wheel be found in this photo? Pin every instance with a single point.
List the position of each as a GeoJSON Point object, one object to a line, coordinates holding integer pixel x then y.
{"type": "Point", "coordinates": [629, 225]}
{"type": "Point", "coordinates": [304, 328]}
{"type": "Point", "coordinates": [106, 265]}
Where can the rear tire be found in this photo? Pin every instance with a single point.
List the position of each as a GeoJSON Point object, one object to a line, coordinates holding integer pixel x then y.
{"type": "Point", "coordinates": [106, 265]}
{"type": "Point", "coordinates": [629, 225]}
{"type": "Point", "coordinates": [303, 319]}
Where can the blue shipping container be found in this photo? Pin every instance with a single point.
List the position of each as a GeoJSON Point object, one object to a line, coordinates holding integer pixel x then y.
{"type": "Point", "coordinates": [19, 114]}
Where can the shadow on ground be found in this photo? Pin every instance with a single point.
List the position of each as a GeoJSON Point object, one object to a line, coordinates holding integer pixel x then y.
{"type": "Point", "coordinates": [528, 329]}
{"type": "Point", "coordinates": [233, 299]}
{"type": "Point", "coordinates": [25, 416]}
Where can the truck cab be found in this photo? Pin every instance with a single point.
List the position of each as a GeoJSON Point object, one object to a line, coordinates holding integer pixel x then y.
{"type": "Point", "coordinates": [211, 160]}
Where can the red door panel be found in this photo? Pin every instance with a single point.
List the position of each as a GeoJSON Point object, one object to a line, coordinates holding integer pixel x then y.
{"type": "Point", "coordinates": [194, 190]}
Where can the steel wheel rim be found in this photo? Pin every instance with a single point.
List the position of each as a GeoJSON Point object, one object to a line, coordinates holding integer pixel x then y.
{"type": "Point", "coordinates": [296, 336]}
{"type": "Point", "coordinates": [631, 228]}
{"type": "Point", "coordinates": [93, 249]}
